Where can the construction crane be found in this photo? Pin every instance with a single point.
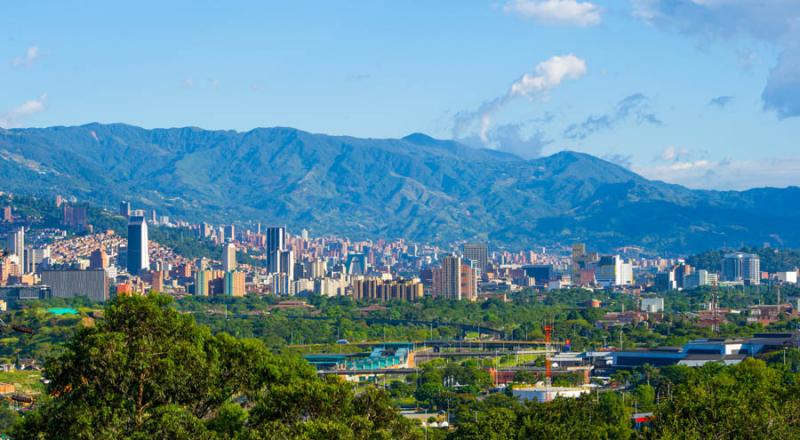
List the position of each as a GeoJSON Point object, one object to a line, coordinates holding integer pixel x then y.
{"type": "Point", "coordinates": [17, 328]}
{"type": "Point", "coordinates": [548, 371]}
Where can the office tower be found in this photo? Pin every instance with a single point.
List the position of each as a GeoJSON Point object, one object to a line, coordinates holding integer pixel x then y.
{"type": "Point", "coordinates": [125, 209]}
{"type": "Point", "coordinates": [98, 259]}
{"type": "Point", "coordinates": [138, 256]}
{"type": "Point", "coordinates": [479, 253]}
{"type": "Point", "coordinates": [665, 281]}
{"type": "Point", "coordinates": [276, 242]}
{"type": "Point", "coordinates": [357, 264]}
{"type": "Point", "coordinates": [542, 274]}
{"type": "Point", "coordinates": [304, 234]}
{"type": "Point", "coordinates": [93, 284]}
{"type": "Point", "coordinates": [740, 266]}
{"type": "Point", "coordinates": [230, 233]}
{"type": "Point", "coordinates": [286, 264]}
{"type": "Point", "coordinates": [229, 258]}
{"type": "Point", "coordinates": [16, 245]}
{"type": "Point", "coordinates": [612, 271]}
{"type": "Point", "coordinates": [447, 279]}
{"type": "Point", "coordinates": [682, 271]}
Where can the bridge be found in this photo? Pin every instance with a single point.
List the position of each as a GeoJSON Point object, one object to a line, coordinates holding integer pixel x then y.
{"type": "Point", "coordinates": [427, 355]}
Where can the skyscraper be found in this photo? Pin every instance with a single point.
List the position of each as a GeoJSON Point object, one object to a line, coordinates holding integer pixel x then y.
{"type": "Point", "coordinates": [125, 209]}
{"type": "Point", "coordinates": [286, 263]}
{"type": "Point", "coordinates": [276, 242]}
{"type": "Point", "coordinates": [138, 256]}
{"type": "Point", "coordinates": [479, 253]}
{"type": "Point", "coordinates": [229, 258]}
{"type": "Point", "coordinates": [16, 245]}
{"type": "Point", "coordinates": [447, 279]}
{"type": "Point", "coordinates": [230, 232]}
{"type": "Point", "coordinates": [740, 266]}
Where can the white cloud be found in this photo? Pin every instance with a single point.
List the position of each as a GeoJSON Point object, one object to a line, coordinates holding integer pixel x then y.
{"type": "Point", "coordinates": [27, 60]}
{"type": "Point", "coordinates": [12, 118]}
{"type": "Point", "coordinates": [549, 74]}
{"type": "Point", "coordinates": [546, 76]}
{"type": "Point", "coordinates": [568, 12]}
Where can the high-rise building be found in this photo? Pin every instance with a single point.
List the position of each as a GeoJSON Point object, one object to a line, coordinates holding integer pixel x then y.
{"type": "Point", "coordinates": [613, 271]}
{"type": "Point", "coordinates": [286, 264]}
{"type": "Point", "coordinates": [201, 279]}
{"type": "Point", "coordinates": [138, 254]}
{"type": "Point", "coordinates": [447, 278]}
{"type": "Point", "coordinates": [74, 216]}
{"type": "Point", "coordinates": [229, 258]}
{"type": "Point", "coordinates": [230, 233]}
{"type": "Point", "coordinates": [276, 241]}
{"type": "Point", "coordinates": [319, 268]}
{"type": "Point", "coordinates": [740, 266]}
{"type": "Point", "coordinates": [479, 253]}
{"type": "Point", "coordinates": [16, 245]}
{"type": "Point", "coordinates": [125, 209]}
{"type": "Point", "coordinates": [234, 284]}
{"type": "Point", "coordinates": [357, 264]}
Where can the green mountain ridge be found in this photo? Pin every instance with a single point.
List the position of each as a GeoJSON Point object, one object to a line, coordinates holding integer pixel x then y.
{"type": "Point", "coordinates": [417, 187]}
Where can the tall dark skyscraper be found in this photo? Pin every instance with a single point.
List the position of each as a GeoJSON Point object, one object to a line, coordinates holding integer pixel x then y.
{"type": "Point", "coordinates": [276, 242]}
{"type": "Point", "coordinates": [124, 209]}
{"type": "Point", "coordinates": [138, 256]}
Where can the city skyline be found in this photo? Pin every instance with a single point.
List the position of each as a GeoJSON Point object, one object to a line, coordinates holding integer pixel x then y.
{"type": "Point", "coordinates": [698, 93]}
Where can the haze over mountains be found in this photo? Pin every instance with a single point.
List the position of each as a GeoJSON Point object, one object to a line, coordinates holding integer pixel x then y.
{"type": "Point", "coordinates": [416, 187]}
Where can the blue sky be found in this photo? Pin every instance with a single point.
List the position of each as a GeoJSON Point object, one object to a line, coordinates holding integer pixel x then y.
{"type": "Point", "coordinates": [705, 93]}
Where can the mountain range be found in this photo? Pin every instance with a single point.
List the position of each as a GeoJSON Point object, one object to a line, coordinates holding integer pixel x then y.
{"type": "Point", "coordinates": [417, 187]}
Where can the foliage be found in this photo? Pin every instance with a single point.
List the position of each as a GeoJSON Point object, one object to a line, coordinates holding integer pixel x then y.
{"type": "Point", "coordinates": [147, 371]}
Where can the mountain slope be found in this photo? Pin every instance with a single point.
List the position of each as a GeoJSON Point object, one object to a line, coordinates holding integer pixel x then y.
{"type": "Point", "coordinates": [416, 187]}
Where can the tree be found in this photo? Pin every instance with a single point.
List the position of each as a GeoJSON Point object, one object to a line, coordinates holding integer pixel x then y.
{"type": "Point", "coordinates": [146, 371]}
